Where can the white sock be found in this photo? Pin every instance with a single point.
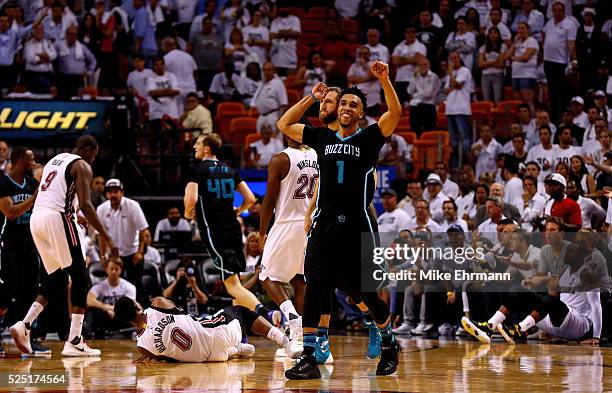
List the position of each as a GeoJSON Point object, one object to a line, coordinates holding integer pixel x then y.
{"type": "Point", "coordinates": [277, 336]}
{"type": "Point", "coordinates": [35, 309]}
{"type": "Point", "coordinates": [465, 301]}
{"type": "Point", "coordinates": [76, 325]}
{"type": "Point", "coordinates": [527, 323]}
{"type": "Point", "coordinates": [496, 319]}
{"type": "Point", "coordinates": [288, 308]}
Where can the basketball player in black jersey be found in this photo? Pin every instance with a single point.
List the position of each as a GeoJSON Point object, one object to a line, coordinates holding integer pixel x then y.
{"type": "Point", "coordinates": [18, 258]}
{"type": "Point", "coordinates": [209, 197]}
{"type": "Point", "coordinates": [346, 187]}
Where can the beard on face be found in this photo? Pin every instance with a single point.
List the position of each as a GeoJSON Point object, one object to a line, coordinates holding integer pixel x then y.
{"type": "Point", "coordinates": [330, 118]}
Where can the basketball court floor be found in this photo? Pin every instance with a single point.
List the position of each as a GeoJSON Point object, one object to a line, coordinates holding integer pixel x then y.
{"type": "Point", "coordinates": [426, 366]}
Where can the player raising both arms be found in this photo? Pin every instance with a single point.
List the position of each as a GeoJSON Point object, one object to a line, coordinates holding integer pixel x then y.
{"type": "Point", "coordinates": [54, 232]}
{"type": "Point", "coordinates": [292, 175]}
{"type": "Point", "coordinates": [166, 333]}
{"type": "Point", "coordinates": [209, 197]}
{"type": "Point", "coordinates": [346, 162]}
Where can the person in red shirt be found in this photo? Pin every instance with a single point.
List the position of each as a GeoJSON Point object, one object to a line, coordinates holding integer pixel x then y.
{"type": "Point", "coordinates": [560, 205]}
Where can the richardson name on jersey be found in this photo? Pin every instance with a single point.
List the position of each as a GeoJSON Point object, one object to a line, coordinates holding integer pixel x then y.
{"type": "Point", "coordinates": [339, 148]}
{"type": "Point", "coordinates": [158, 332]}
{"type": "Point", "coordinates": [308, 164]}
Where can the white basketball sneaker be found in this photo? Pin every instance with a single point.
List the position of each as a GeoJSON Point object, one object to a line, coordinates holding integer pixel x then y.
{"type": "Point", "coordinates": [245, 351]}
{"type": "Point", "coordinates": [21, 336]}
{"type": "Point", "coordinates": [296, 338]}
{"type": "Point", "coordinates": [79, 349]}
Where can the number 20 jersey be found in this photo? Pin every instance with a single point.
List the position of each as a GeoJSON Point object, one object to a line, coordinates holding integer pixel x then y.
{"type": "Point", "coordinates": [297, 188]}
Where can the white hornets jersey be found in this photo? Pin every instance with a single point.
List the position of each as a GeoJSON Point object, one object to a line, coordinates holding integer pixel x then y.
{"type": "Point", "coordinates": [297, 188]}
{"type": "Point", "coordinates": [184, 338]}
{"type": "Point", "coordinates": [57, 187]}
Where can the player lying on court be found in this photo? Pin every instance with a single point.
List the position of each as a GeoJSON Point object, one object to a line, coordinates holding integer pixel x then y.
{"type": "Point", "coordinates": [166, 333]}
{"type": "Point", "coordinates": [569, 310]}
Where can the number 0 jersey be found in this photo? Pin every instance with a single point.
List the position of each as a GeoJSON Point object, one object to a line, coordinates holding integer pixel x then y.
{"type": "Point", "coordinates": [297, 188]}
{"type": "Point", "coordinates": [216, 185]}
{"type": "Point", "coordinates": [57, 187]}
{"type": "Point", "coordinates": [346, 169]}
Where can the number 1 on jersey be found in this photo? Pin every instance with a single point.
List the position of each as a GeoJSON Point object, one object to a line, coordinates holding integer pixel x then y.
{"type": "Point", "coordinates": [340, 165]}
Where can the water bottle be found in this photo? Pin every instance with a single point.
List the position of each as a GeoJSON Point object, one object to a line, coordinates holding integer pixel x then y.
{"type": "Point", "coordinates": [192, 303]}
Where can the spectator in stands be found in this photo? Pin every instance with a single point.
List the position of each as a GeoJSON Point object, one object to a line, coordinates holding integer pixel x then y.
{"type": "Point", "coordinates": [543, 153]}
{"type": "Point", "coordinates": [513, 188]}
{"type": "Point", "coordinates": [226, 86]}
{"type": "Point", "coordinates": [172, 223]}
{"type": "Point", "coordinates": [284, 32]}
{"type": "Point", "coordinates": [206, 47]}
{"type": "Point", "coordinates": [186, 10]}
{"type": "Point", "coordinates": [313, 72]}
{"type": "Point", "coordinates": [144, 32]}
{"type": "Point", "coordinates": [251, 81]}
{"type": "Point", "coordinates": [494, 210]}
{"type": "Point", "coordinates": [237, 51]}
{"type": "Point", "coordinates": [444, 18]}
{"type": "Point", "coordinates": [523, 54]}
{"type": "Point", "coordinates": [414, 192]}
{"type": "Point", "coordinates": [600, 100]}
{"type": "Point", "coordinates": [90, 34]}
{"type": "Point", "coordinates": [184, 290]}
{"type": "Point", "coordinates": [509, 210]}
{"type": "Point", "coordinates": [543, 119]}
{"type": "Point", "coordinates": [495, 20]}
{"type": "Point", "coordinates": [124, 219]}
{"type": "Point", "coordinates": [532, 17]}
{"type": "Point", "coordinates": [449, 187]}
{"type": "Point", "coordinates": [491, 62]}
{"type": "Point", "coordinates": [39, 54]}
{"type": "Point", "coordinates": [590, 212]}
{"type": "Point", "coordinates": [462, 42]}
{"type": "Point", "coordinates": [473, 25]}
{"type": "Point", "coordinates": [210, 11]}
{"type": "Point", "coordinates": [257, 36]}
{"type": "Point", "coordinates": [519, 147]}
{"type": "Point", "coordinates": [108, 57]}
{"type": "Point", "coordinates": [76, 63]}
{"type": "Point", "coordinates": [335, 47]}
{"type": "Point", "coordinates": [590, 44]}
{"type": "Point", "coordinates": [163, 91]}
{"type": "Point", "coordinates": [378, 51]}
{"type": "Point", "coordinates": [597, 151]}
{"type": "Point", "coordinates": [482, 8]}
{"type": "Point", "coordinates": [265, 148]}
{"type": "Point", "coordinates": [567, 120]}
{"type": "Point", "coordinates": [528, 125]}
{"type": "Point", "coordinates": [480, 199]}
{"type": "Point", "coordinates": [564, 151]}
{"type": "Point", "coordinates": [397, 153]}
{"type": "Point", "coordinates": [579, 116]}
{"type": "Point", "coordinates": [151, 255]}
{"type": "Point", "coordinates": [580, 174]}
{"type": "Point", "coordinates": [423, 92]}
{"type": "Point", "coordinates": [270, 99]}
{"type": "Point", "coordinates": [359, 75]}
{"type": "Point", "coordinates": [485, 151]}
{"type": "Point", "coordinates": [465, 199]}
{"type": "Point", "coordinates": [559, 47]}
{"type": "Point", "coordinates": [196, 116]}
{"type": "Point", "coordinates": [430, 36]}
{"type": "Point", "coordinates": [182, 66]}
{"type": "Point", "coordinates": [560, 205]}
{"type": "Point", "coordinates": [100, 319]}
{"type": "Point", "coordinates": [533, 203]}
{"type": "Point", "coordinates": [233, 15]}
{"type": "Point", "coordinates": [97, 191]}
{"type": "Point", "coordinates": [405, 56]}
{"type": "Point", "coordinates": [137, 79]}
{"type": "Point", "coordinates": [393, 220]}
{"type": "Point", "coordinates": [422, 218]}
{"type": "Point", "coordinates": [449, 209]}
{"type": "Point", "coordinates": [435, 196]}
{"type": "Point", "coordinates": [56, 23]}
{"type": "Point", "coordinates": [5, 161]}
{"type": "Point", "coordinates": [458, 108]}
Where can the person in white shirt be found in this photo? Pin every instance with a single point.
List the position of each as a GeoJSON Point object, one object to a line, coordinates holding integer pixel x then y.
{"type": "Point", "coordinates": [436, 197]}
{"type": "Point", "coordinates": [533, 203]}
{"type": "Point", "coordinates": [39, 54]}
{"type": "Point", "coordinates": [600, 101]}
{"type": "Point", "coordinates": [495, 20]}
{"type": "Point", "coordinates": [528, 124]}
{"type": "Point", "coordinates": [564, 151]}
{"type": "Point", "coordinates": [414, 192]}
{"type": "Point", "coordinates": [463, 42]}
{"type": "Point", "coordinates": [543, 153]}
{"type": "Point", "coordinates": [227, 85]}
{"type": "Point", "coordinates": [173, 222]}
{"type": "Point", "coordinates": [597, 152]}
{"type": "Point", "coordinates": [397, 153]}
{"type": "Point", "coordinates": [559, 45]}
{"type": "Point", "coordinates": [405, 56]}
{"type": "Point", "coordinates": [485, 150]}
{"type": "Point", "coordinates": [491, 62]}
{"type": "Point", "coordinates": [182, 65]}
{"type": "Point", "coordinates": [543, 119]}
{"type": "Point", "coordinates": [359, 75]}
{"type": "Point", "coordinates": [590, 211]}
{"type": "Point", "coordinates": [137, 79]}
{"type": "Point", "coordinates": [458, 108]}
{"type": "Point", "coordinates": [449, 187]}
{"type": "Point", "coordinates": [284, 32]}
{"type": "Point", "coordinates": [196, 116]}
{"type": "Point", "coordinates": [124, 219]}
{"type": "Point", "coordinates": [422, 218]}
{"type": "Point", "coordinates": [257, 36]}
{"type": "Point", "coordinates": [270, 99]}
{"type": "Point", "coordinates": [151, 255]}
{"type": "Point", "coordinates": [264, 149]}
{"type": "Point", "coordinates": [581, 119]}
{"type": "Point", "coordinates": [483, 7]}
{"type": "Point", "coordinates": [513, 189]}
{"type": "Point", "coordinates": [393, 220]}
{"type": "Point", "coordinates": [163, 91]}
{"type": "Point", "coordinates": [57, 22]}
{"type": "Point", "coordinates": [465, 200]}
{"type": "Point", "coordinates": [488, 228]}
{"type": "Point", "coordinates": [423, 91]}
{"type": "Point", "coordinates": [101, 299]}
{"type": "Point", "coordinates": [449, 209]}
{"type": "Point", "coordinates": [532, 169]}
{"type": "Point", "coordinates": [378, 51]}
{"type": "Point", "coordinates": [347, 8]}
{"type": "Point", "coordinates": [233, 15]}
{"type": "Point", "coordinates": [533, 18]}
{"type": "Point", "coordinates": [523, 54]}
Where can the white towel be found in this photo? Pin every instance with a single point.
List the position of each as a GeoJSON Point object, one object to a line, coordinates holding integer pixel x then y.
{"type": "Point", "coordinates": [64, 50]}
